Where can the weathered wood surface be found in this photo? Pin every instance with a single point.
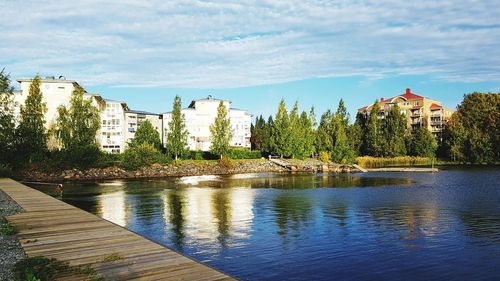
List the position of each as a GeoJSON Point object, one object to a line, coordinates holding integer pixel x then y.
{"type": "Point", "coordinates": [51, 228]}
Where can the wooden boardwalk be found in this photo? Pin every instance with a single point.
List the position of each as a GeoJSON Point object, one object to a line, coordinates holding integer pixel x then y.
{"type": "Point", "coordinates": [51, 228]}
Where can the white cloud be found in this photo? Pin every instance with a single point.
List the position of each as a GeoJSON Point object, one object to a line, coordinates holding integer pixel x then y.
{"type": "Point", "coordinates": [211, 44]}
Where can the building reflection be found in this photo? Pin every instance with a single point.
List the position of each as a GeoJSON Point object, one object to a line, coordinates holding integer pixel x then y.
{"type": "Point", "coordinates": [112, 207]}
{"type": "Point", "coordinates": [411, 222]}
{"type": "Point", "coordinates": [209, 215]}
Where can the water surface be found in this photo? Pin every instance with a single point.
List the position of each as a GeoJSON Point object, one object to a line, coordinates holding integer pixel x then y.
{"type": "Point", "coordinates": [372, 226]}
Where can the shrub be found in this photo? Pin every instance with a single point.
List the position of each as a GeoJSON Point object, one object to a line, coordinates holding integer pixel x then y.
{"type": "Point", "coordinates": [325, 156]}
{"type": "Point", "coordinates": [200, 155]}
{"type": "Point", "coordinates": [5, 171]}
{"type": "Point", "coordinates": [108, 160]}
{"type": "Point", "coordinates": [141, 155]}
{"type": "Point", "coordinates": [226, 162]}
{"type": "Point", "coordinates": [242, 153]}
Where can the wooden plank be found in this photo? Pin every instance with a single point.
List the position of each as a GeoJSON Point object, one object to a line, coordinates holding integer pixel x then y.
{"type": "Point", "coordinates": [49, 227]}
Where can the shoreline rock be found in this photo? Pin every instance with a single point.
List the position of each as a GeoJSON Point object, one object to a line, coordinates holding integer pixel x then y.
{"type": "Point", "coordinates": [10, 250]}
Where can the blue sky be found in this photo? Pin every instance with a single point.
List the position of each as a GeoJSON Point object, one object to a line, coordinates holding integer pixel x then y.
{"type": "Point", "coordinates": [257, 52]}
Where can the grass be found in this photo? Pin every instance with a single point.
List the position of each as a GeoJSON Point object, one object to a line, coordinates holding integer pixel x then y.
{"type": "Point", "coordinates": [112, 257]}
{"type": "Point", "coordinates": [8, 229]}
{"type": "Point", "coordinates": [46, 269]}
{"type": "Point", "coordinates": [401, 161]}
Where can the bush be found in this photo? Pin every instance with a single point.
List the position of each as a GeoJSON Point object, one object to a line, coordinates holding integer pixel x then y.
{"type": "Point", "coordinates": [242, 153]}
{"type": "Point", "coordinates": [5, 171]}
{"type": "Point", "coordinates": [226, 162]}
{"type": "Point", "coordinates": [108, 160]}
{"type": "Point", "coordinates": [200, 155]}
{"type": "Point", "coordinates": [142, 155]}
{"type": "Point", "coordinates": [325, 156]}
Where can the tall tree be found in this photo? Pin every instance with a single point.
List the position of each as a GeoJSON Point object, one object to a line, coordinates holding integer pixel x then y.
{"type": "Point", "coordinates": [32, 137]}
{"type": "Point", "coordinates": [454, 139]}
{"type": "Point", "coordinates": [177, 135]}
{"type": "Point", "coordinates": [373, 137]}
{"type": "Point", "coordinates": [77, 125]}
{"type": "Point", "coordinates": [7, 120]}
{"type": "Point", "coordinates": [146, 134]}
{"type": "Point", "coordinates": [307, 125]}
{"type": "Point", "coordinates": [324, 133]}
{"type": "Point", "coordinates": [423, 143]}
{"type": "Point", "coordinates": [296, 133]}
{"type": "Point", "coordinates": [393, 132]}
{"type": "Point", "coordinates": [475, 128]}
{"type": "Point", "coordinates": [281, 133]}
{"type": "Point", "coordinates": [220, 130]}
{"type": "Point", "coordinates": [342, 152]}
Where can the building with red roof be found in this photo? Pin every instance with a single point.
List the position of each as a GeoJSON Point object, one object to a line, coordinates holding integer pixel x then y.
{"type": "Point", "coordinates": [420, 111]}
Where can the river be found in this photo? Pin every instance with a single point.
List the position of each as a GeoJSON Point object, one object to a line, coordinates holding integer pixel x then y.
{"type": "Point", "coordinates": [371, 226]}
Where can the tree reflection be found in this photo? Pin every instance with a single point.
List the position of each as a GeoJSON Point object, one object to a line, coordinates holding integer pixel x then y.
{"type": "Point", "coordinates": [221, 208]}
{"type": "Point", "coordinates": [292, 212]}
{"type": "Point", "coordinates": [176, 218]}
{"type": "Point", "coordinates": [482, 225]}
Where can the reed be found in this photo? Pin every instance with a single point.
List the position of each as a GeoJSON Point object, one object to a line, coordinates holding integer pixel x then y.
{"type": "Point", "coordinates": [400, 161]}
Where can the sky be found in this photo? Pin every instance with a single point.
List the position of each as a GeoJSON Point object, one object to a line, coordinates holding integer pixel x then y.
{"type": "Point", "coordinates": [257, 52]}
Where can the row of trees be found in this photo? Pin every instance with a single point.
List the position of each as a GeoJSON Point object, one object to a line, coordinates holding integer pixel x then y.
{"type": "Point", "coordinates": [24, 137]}
{"type": "Point", "coordinates": [298, 136]}
{"type": "Point", "coordinates": [177, 135]}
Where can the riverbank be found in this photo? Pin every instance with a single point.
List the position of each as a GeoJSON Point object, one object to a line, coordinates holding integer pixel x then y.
{"type": "Point", "coordinates": [10, 250]}
{"type": "Point", "coordinates": [178, 168]}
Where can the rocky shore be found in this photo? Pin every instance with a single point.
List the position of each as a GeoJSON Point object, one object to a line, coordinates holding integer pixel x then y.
{"type": "Point", "coordinates": [10, 249]}
{"type": "Point", "coordinates": [181, 168]}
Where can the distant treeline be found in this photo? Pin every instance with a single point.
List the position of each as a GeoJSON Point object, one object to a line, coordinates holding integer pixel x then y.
{"type": "Point", "coordinates": [471, 136]}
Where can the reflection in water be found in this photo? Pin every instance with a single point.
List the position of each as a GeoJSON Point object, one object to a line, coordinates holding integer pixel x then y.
{"type": "Point", "coordinates": [402, 226]}
{"type": "Point", "coordinates": [292, 212]}
{"type": "Point", "coordinates": [173, 214]}
{"type": "Point", "coordinates": [208, 214]}
{"type": "Point", "coordinates": [112, 207]}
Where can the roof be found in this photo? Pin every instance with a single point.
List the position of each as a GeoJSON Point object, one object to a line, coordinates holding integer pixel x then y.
{"type": "Point", "coordinates": [408, 95]}
{"type": "Point", "coordinates": [50, 79]}
{"type": "Point", "coordinates": [436, 106]}
{"type": "Point", "coordinates": [209, 98]}
{"type": "Point", "coordinates": [141, 112]}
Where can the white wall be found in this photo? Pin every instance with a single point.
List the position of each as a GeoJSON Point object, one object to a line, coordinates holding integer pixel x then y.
{"type": "Point", "coordinates": [199, 119]}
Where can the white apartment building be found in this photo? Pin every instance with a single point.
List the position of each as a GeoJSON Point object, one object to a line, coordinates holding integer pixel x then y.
{"type": "Point", "coordinates": [201, 113]}
{"type": "Point", "coordinates": [56, 92]}
{"type": "Point", "coordinates": [134, 119]}
{"type": "Point", "coordinates": [111, 135]}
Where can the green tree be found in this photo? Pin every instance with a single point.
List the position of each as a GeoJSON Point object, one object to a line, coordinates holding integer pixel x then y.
{"type": "Point", "coordinates": [31, 134]}
{"type": "Point", "coordinates": [393, 133]}
{"type": "Point", "coordinates": [307, 125]}
{"type": "Point", "coordinates": [147, 134]}
{"type": "Point", "coordinates": [221, 132]}
{"type": "Point", "coordinates": [77, 125]}
{"type": "Point", "coordinates": [423, 143]}
{"type": "Point", "coordinates": [324, 133]}
{"type": "Point", "coordinates": [296, 133]}
{"type": "Point", "coordinates": [7, 120]}
{"type": "Point", "coordinates": [257, 133]}
{"type": "Point", "coordinates": [474, 133]}
{"type": "Point", "coordinates": [373, 136]}
{"type": "Point", "coordinates": [454, 139]}
{"type": "Point", "coordinates": [355, 138]}
{"type": "Point", "coordinates": [342, 152]}
{"type": "Point", "coordinates": [281, 133]}
{"type": "Point", "coordinates": [177, 135]}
